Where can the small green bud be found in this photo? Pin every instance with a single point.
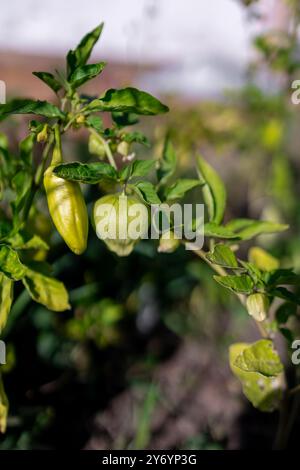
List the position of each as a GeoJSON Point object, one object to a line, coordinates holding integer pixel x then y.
{"type": "Point", "coordinates": [96, 146]}
{"type": "Point", "coordinates": [80, 119]}
{"type": "Point", "coordinates": [258, 306]}
{"type": "Point", "coordinates": [43, 135]}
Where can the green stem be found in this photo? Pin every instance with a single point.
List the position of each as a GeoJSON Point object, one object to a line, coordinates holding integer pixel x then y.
{"type": "Point", "coordinates": [221, 271]}
{"type": "Point", "coordinates": [106, 147]}
{"type": "Point", "coordinates": [37, 179]}
{"type": "Point", "coordinates": [57, 152]}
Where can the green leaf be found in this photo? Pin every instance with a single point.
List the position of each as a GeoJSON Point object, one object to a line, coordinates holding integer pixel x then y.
{"type": "Point", "coordinates": [136, 137]}
{"type": "Point", "coordinates": [223, 256]}
{"type": "Point", "coordinates": [262, 259]}
{"type": "Point", "coordinates": [285, 311]}
{"type": "Point", "coordinates": [247, 229]}
{"type": "Point", "coordinates": [21, 182]}
{"type": "Point", "coordinates": [95, 122]}
{"type": "Point", "coordinates": [88, 173]}
{"type": "Point", "coordinates": [26, 149]}
{"type": "Point", "coordinates": [40, 108]}
{"type": "Point", "coordinates": [5, 228]}
{"type": "Point", "coordinates": [264, 393]}
{"type": "Point", "coordinates": [137, 168]}
{"type": "Point", "coordinates": [46, 290]}
{"type": "Point", "coordinates": [179, 188]}
{"type": "Point", "coordinates": [146, 191]}
{"type": "Point", "coordinates": [3, 407]}
{"type": "Point", "coordinates": [3, 141]}
{"type": "Point", "coordinates": [214, 191]}
{"type": "Point", "coordinates": [124, 119]}
{"type": "Point", "coordinates": [285, 294]}
{"type": "Point", "coordinates": [130, 100]}
{"type": "Point", "coordinates": [85, 73]}
{"type": "Point", "coordinates": [280, 277]}
{"type": "Point", "coordinates": [167, 163]}
{"type": "Point", "coordinates": [252, 270]}
{"type": "Point", "coordinates": [22, 241]}
{"type": "Point", "coordinates": [218, 231]}
{"type": "Point", "coordinates": [10, 264]}
{"type": "Point", "coordinates": [260, 357]}
{"type": "Point", "coordinates": [79, 56]}
{"type": "Point", "coordinates": [6, 298]}
{"type": "Point", "coordinates": [49, 79]}
{"type": "Point", "coordinates": [288, 335]}
{"type": "Point", "coordinates": [242, 284]}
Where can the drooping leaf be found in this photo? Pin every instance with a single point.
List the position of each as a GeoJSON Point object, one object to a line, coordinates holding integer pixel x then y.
{"type": "Point", "coordinates": [26, 106]}
{"type": "Point", "coordinates": [146, 191]}
{"type": "Point", "coordinates": [6, 298]}
{"type": "Point", "coordinates": [79, 56]}
{"type": "Point", "coordinates": [10, 263]}
{"type": "Point", "coordinates": [179, 188]}
{"type": "Point", "coordinates": [130, 100]}
{"type": "Point", "coordinates": [247, 229]}
{"type": "Point", "coordinates": [167, 162]}
{"type": "Point", "coordinates": [281, 277]}
{"type": "Point", "coordinates": [46, 290]}
{"type": "Point", "coordinates": [260, 357]}
{"type": "Point", "coordinates": [49, 79]}
{"type": "Point", "coordinates": [217, 231]}
{"type": "Point", "coordinates": [214, 192]}
{"type": "Point", "coordinates": [223, 256]}
{"type": "Point", "coordinates": [285, 311]}
{"type": "Point", "coordinates": [264, 393]}
{"type": "Point", "coordinates": [242, 284]}
{"type": "Point", "coordinates": [285, 294]}
{"type": "Point", "coordinates": [288, 335]}
{"type": "Point", "coordinates": [88, 173]}
{"type": "Point", "coordinates": [137, 168]}
{"type": "Point", "coordinates": [85, 73]}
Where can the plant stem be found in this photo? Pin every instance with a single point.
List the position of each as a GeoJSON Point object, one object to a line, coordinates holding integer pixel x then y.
{"type": "Point", "coordinates": [38, 179]}
{"type": "Point", "coordinates": [221, 271]}
{"type": "Point", "coordinates": [106, 147]}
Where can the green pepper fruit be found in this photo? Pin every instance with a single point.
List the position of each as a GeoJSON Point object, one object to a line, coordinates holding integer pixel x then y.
{"type": "Point", "coordinates": [258, 306]}
{"type": "Point", "coordinates": [96, 146]}
{"type": "Point", "coordinates": [123, 148]}
{"type": "Point", "coordinates": [120, 221]}
{"type": "Point", "coordinates": [66, 205]}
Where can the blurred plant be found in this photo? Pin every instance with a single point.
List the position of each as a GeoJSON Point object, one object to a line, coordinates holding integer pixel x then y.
{"type": "Point", "coordinates": [257, 282]}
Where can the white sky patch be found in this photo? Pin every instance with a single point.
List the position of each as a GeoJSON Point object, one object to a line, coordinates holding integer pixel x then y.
{"type": "Point", "coordinates": [209, 39]}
